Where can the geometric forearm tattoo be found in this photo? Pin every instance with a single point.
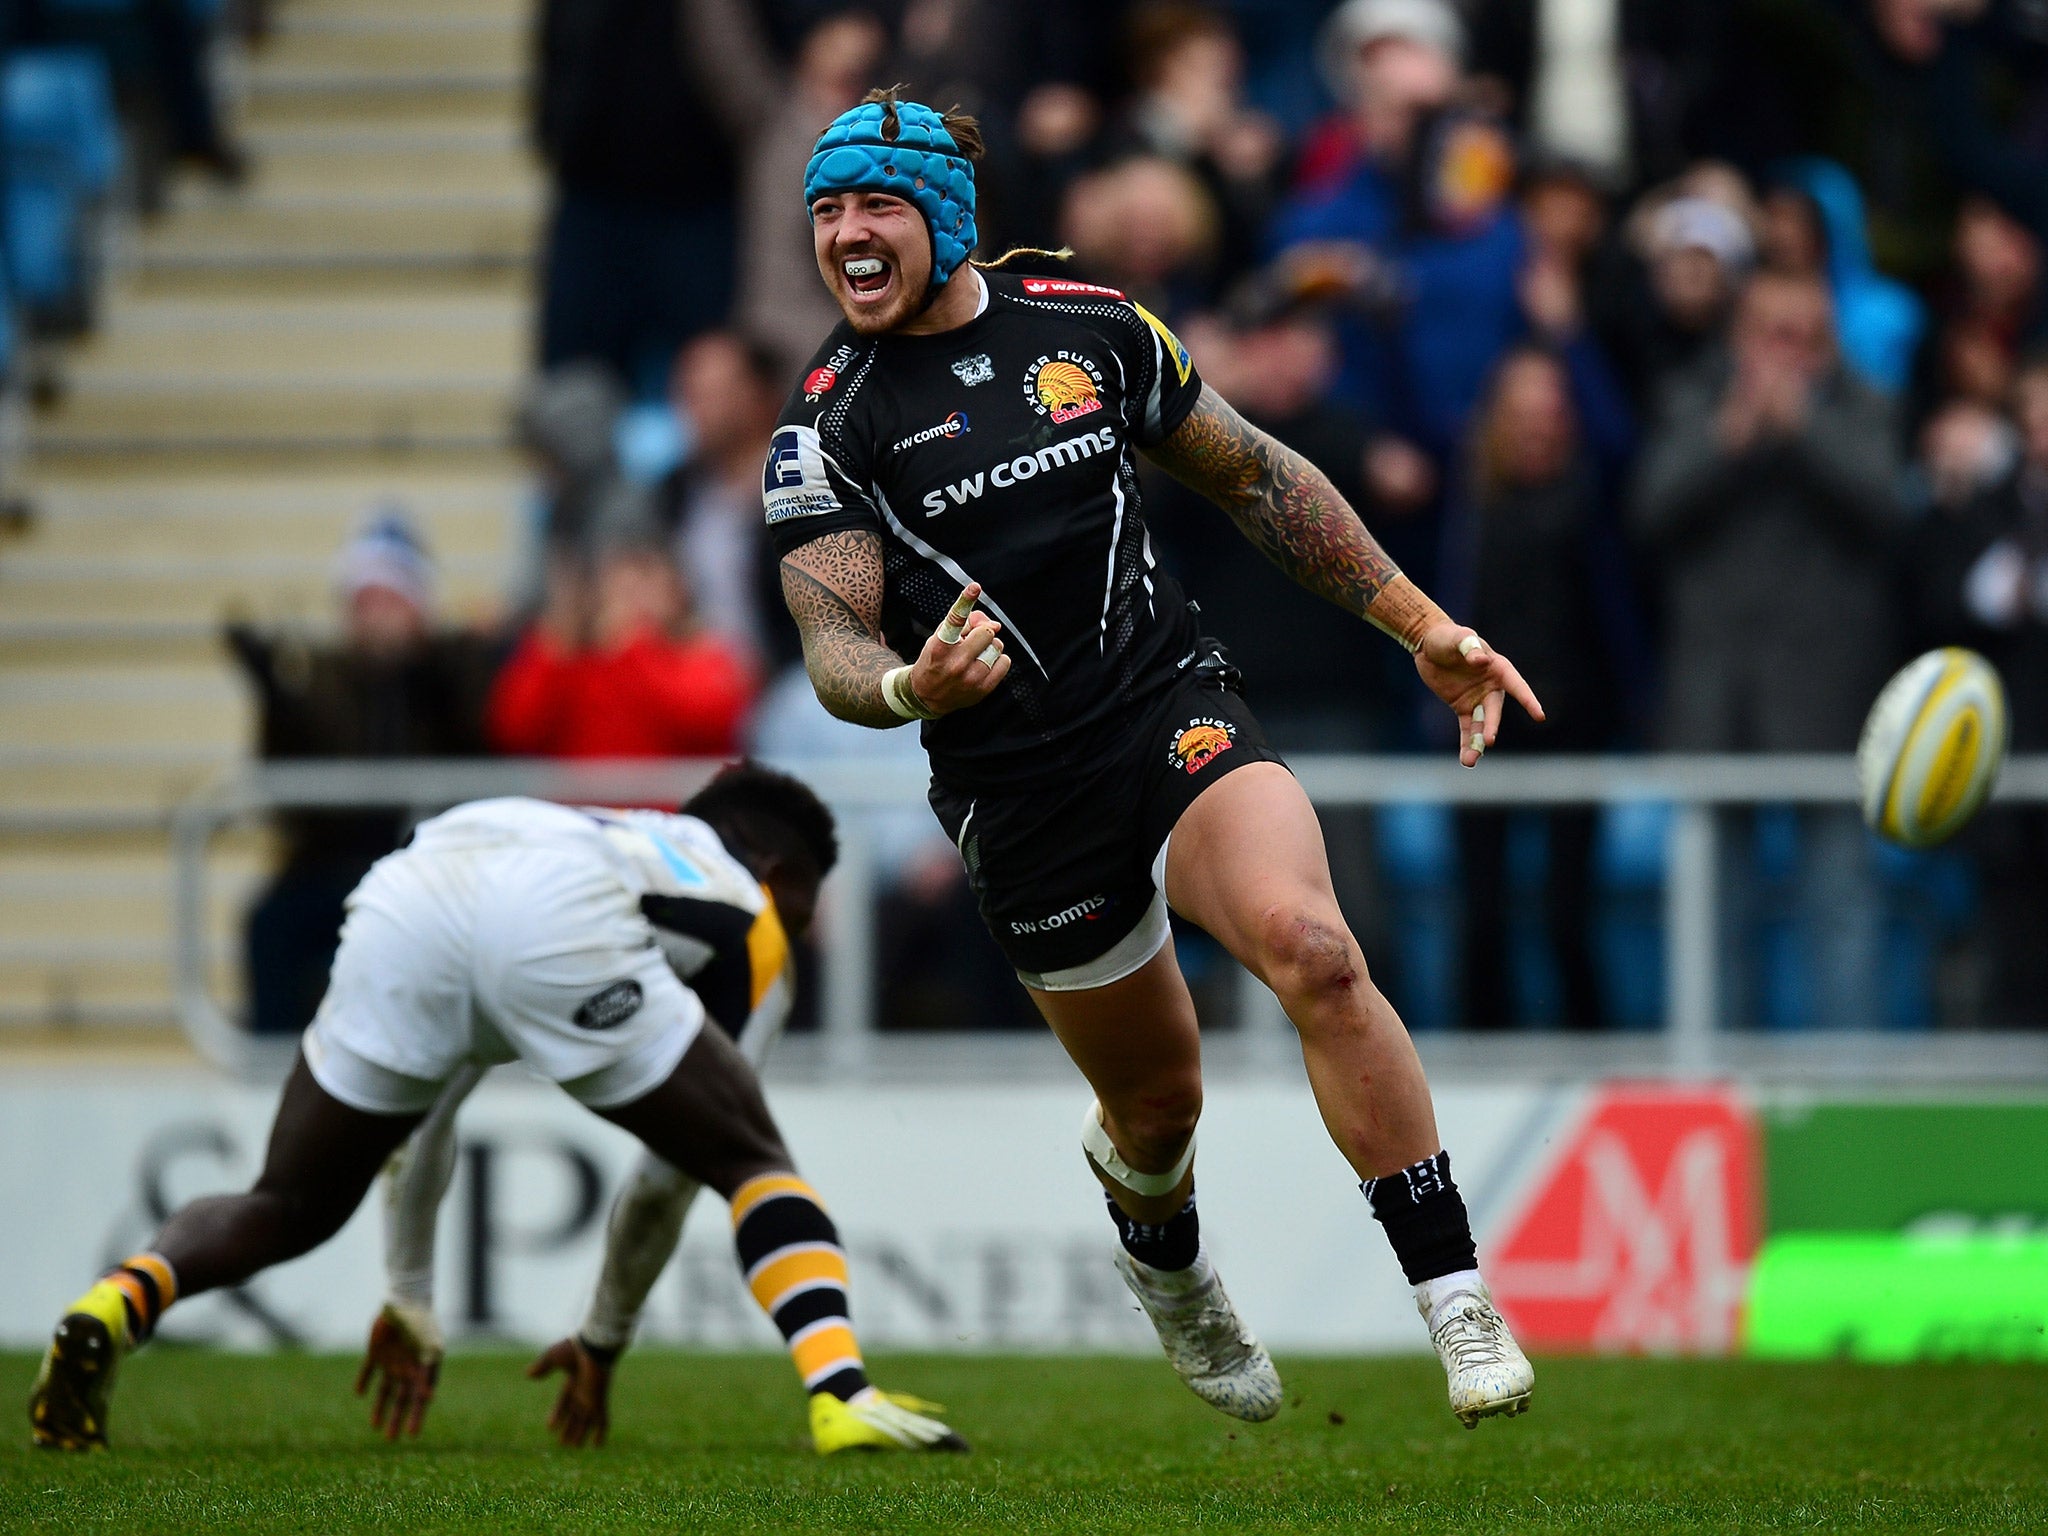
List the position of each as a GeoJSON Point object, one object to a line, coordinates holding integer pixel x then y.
{"type": "Point", "coordinates": [1288, 509]}
{"type": "Point", "coordinates": [833, 586]}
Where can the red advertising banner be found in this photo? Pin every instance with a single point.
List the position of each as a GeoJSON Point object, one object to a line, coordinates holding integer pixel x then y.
{"type": "Point", "coordinates": [1639, 1234]}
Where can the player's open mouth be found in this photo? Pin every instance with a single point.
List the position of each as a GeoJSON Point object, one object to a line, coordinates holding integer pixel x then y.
{"type": "Point", "coordinates": [867, 276]}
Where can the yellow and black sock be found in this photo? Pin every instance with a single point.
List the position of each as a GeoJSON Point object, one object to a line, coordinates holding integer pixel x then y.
{"type": "Point", "coordinates": [790, 1253]}
{"type": "Point", "coordinates": [130, 1297]}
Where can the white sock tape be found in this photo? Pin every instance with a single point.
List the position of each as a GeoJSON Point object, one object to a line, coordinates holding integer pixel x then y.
{"type": "Point", "coordinates": [1095, 1140]}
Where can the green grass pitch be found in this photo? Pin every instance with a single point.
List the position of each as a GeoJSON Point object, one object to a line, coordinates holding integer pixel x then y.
{"type": "Point", "coordinates": [207, 1442]}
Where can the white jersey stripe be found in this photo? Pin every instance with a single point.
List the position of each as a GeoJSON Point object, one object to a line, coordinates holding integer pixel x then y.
{"type": "Point", "coordinates": [1116, 533]}
{"type": "Point", "coordinates": [952, 568]}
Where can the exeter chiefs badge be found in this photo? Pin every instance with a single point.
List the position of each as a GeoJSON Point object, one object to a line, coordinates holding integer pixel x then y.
{"type": "Point", "coordinates": [1064, 386]}
{"type": "Point", "coordinates": [974, 370]}
{"type": "Point", "coordinates": [1199, 743]}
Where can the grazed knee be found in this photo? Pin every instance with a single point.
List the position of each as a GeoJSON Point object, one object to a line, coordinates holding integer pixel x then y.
{"type": "Point", "coordinates": [1309, 956]}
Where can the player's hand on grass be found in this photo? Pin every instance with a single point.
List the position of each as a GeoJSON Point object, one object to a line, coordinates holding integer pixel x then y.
{"type": "Point", "coordinates": [963, 661]}
{"type": "Point", "coordinates": [1476, 681]}
{"type": "Point", "coordinates": [403, 1358]}
{"type": "Point", "coordinates": [582, 1410]}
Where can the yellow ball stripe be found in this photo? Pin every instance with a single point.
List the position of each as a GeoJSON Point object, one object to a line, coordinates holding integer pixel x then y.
{"type": "Point", "coordinates": [1949, 775]}
{"type": "Point", "coordinates": [1954, 665]}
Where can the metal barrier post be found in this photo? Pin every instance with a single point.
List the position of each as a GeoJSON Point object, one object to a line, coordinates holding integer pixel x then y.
{"type": "Point", "coordinates": [849, 949]}
{"type": "Point", "coordinates": [1692, 939]}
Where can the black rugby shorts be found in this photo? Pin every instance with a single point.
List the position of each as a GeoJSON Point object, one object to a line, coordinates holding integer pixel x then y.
{"type": "Point", "coordinates": [1064, 874]}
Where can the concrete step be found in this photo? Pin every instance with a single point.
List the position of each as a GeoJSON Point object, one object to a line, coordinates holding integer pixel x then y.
{"type": "Point", "coordinates": [86, 923]}
{"type": "Point", "coordinates": [420, 341]}
{"type": "Point", "coordinates": [79, 640]}
{"type": "Point", "coordinates": [498, 232]}
{"type": "Point", "coordinates": [287, 587]}
{"type": "Point", "coordinates": [49, 902]}
{"type": "Point", "coordinates": [387, 415]}
{"type": "Point", "coordinates": [306, 516]}
{"type": "Point", "coordinates": [346, 98]}
{"type": "Point", "coordinates": [137, 785]}
{"type": "Point", "coordinates": [420, 279]}
{"type": "Point", "coordinates": [423, 45]}
{"type": "Point", "coordinates": [126, 706]}
{"type": "Point", "coordinates": [315, 15]}
{"type": "Point", "coordinates": [69, 992]}
{"type": "Point", "coordinates": [401, 159]}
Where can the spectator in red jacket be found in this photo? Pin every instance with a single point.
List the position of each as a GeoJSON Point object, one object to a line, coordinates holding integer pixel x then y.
{"type": "Point", "coordinates": [613, 668]}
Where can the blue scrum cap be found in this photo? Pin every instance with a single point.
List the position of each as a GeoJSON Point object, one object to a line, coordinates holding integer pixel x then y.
{"type": "Point", "coordinates": [922, 165]}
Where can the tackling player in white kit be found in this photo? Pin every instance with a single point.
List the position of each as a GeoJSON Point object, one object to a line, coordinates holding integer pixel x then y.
{"type": "Point", "coordinates": [724, 942]}
{"type": "Point", "coordinates": [516, 929]}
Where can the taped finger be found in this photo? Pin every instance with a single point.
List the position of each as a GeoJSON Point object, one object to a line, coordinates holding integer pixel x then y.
{"type": "Point", "coordinates": [956, 616]}
{"type": "Point", "coordinates": [1469, 644]}
{"type": "Point", "coordinates": [991, 654]}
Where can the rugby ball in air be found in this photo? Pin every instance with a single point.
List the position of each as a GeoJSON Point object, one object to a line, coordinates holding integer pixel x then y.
{"type": "Point", "coordinates": [1932, 747]}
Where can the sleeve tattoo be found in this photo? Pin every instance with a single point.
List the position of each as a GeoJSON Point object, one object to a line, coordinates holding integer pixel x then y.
{"type": "Point", "coordinates": [833, 586]}
{"type": "Point", "coordinates": [1293, 515]}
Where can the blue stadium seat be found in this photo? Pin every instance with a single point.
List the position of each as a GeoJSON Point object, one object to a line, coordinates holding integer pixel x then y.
{"type": "Point", "coordinates": [42, 242]}
{"type": "Point", "coordinates": [62, 153]}
{"type": "Point", "coordinates": [59, 107]}
{"type": "Point", "coordinates": [7, 328]}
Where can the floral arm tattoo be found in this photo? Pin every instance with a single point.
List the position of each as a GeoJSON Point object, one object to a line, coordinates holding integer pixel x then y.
{"type": "Point", "coordinates": [1293, 516]}
{"type": "Point", "coordinates": [833, 586]}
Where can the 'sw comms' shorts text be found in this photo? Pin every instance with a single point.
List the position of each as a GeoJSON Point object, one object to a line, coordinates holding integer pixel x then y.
{"type": "Point", "coordinates": [1070, 877]}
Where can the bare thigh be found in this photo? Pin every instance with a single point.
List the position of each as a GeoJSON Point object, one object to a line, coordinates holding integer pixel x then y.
{"type": "Point", "coordinates": [1247, 863]}
{"type": "Point", "coordinates": [1251, 846]}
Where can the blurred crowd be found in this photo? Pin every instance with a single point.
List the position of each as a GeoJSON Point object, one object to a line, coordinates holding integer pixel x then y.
{"type": "Point", "coordinates": [1693, 350]}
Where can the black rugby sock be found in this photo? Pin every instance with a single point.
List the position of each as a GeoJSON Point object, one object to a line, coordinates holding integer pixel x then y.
{"type": "Point", "coordinates": [1425, 1220]}
{"type": "Point", "coordinates": [1169, 1244]}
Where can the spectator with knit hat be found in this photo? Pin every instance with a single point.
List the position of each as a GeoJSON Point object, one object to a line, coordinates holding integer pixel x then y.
{"type": "Point", "coordinates": [393, 686]}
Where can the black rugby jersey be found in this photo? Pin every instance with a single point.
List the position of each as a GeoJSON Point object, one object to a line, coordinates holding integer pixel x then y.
{"type": "Point", "coordinates": [1003, 452]}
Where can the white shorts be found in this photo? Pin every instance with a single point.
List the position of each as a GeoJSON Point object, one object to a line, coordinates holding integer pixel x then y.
{"type": "Point", "coordinates": [490, 954]}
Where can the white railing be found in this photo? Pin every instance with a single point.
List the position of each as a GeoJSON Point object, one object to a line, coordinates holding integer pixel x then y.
{"type": "Point", "coordinates": [1690, 1044]}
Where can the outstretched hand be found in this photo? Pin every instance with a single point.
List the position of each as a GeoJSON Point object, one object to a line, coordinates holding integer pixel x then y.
{"type": "Point", "coordinates": [403, 1357]}
{"type": "Point", "coordinates": [582, 1411]}
{"type": "Point", "coordinates": [963, 661]}
{"type": "Point", "coordinates": [1476, 681]}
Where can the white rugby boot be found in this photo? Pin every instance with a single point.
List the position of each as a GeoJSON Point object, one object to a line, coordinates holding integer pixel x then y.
{"type": "Point", "coordinates": [1487, 1372]}
{"type": "Point", "coordinates": [1205, 1341]}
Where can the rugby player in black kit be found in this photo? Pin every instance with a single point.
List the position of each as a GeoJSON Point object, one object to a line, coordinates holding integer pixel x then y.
{"type": "Point", "coordinates": [953, 493]}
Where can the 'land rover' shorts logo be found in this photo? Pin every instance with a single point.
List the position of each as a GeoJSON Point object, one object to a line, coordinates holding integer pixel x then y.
{"type": "Point", "coordinates": [611, 1007]}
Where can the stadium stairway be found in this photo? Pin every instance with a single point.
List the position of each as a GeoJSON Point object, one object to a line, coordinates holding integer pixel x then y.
{"type": "Point", "coordinates": [351, 325]}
